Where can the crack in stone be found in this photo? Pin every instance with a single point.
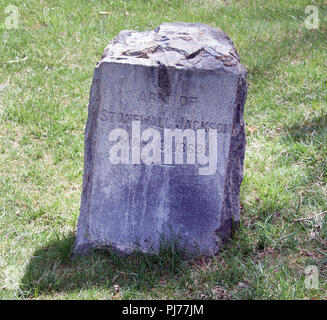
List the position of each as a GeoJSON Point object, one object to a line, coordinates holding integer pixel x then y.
{"type": "Point", "coordinates": [163, 80]}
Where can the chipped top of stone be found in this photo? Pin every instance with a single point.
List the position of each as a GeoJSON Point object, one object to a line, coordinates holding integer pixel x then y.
{"type": "Point", "coordinates": [179, 45]}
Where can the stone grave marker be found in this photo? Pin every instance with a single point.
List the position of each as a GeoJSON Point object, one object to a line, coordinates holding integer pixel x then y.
{"type": "Point", "coordinates": [164, 142]}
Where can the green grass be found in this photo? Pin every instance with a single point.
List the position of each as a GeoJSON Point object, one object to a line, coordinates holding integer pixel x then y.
{"type": "Point", "coordinates": [46, 69]}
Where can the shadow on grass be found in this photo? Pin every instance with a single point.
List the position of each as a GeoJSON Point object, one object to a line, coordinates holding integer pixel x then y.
{"type": "Point", "coordinates": [52, 269]}
{"type": "Point", "coordinates": [259, 55]}
{"type": "Point", "coordinates": [310, 131]}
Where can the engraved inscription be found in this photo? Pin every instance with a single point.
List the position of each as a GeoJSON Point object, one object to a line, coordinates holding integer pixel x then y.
{"type": "Point", "coordinates": [164, 122]}
{"type": "Point", "coordinates": [160, 98]}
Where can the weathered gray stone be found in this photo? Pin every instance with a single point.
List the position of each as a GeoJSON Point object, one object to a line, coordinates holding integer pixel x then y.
{"type": "Point", "coordinates": [140, 187]}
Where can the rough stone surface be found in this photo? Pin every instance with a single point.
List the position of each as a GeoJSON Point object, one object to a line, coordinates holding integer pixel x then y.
{"type": "Point", "coordinates": [182, 76]}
